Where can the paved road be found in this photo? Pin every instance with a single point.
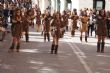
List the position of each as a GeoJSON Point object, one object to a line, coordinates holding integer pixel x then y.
{"type": "Point", "coordinates": [73, 56]}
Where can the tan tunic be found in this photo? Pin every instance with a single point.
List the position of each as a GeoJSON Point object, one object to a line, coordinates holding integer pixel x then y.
{"type": "Point", "coordinates": [84, 26]}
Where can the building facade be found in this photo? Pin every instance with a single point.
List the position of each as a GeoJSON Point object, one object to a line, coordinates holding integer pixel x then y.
{"type": "Point", "coordinates": [61, 5]}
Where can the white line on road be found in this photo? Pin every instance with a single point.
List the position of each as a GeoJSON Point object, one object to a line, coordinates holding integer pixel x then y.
{"type": "Point", "coordinates": [75, 50]}
{"type": "Point", "coordinates": [104, 56]}
{"type": "Point", "coordinates": [81, 59]}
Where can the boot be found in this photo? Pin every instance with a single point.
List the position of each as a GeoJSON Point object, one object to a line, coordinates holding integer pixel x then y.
{"type": "Point", "coordinates": [52, 48]}
{"type": "Point", "coordinates": [72, 33]}
{"type": "Point", "coordinates": [3, 36]}
{"type": "Point", "coordinates": [81, 39]}
{"type": "Point", "coordinates": [56, 49]}
{"type": "Point", "coordinates": [86, 38]}
{"type": "Point", "coordinates": [18, 47]}
{"type": "Point", "coordinates": [11, 47]}
{"type": "Point", "coordinates": [91, 32]}
{"type": "Point", "coordinates": [44, 37]}
{"type": "Point", "coordinates": [66, 28]}
{"type": "Point", "coordinates": [98, 46]}
{"type": "Point", "coordinates": [48, 35]}
{"type": "Point", "coordinates": [63, 33]}
{"type": "Point", "coordinates": [42, 33]}
{"type": "Point", "coordinates": [102, 47]}
{"type": "Point", "coordinates": [88, 32]}
{"type": "Point", "coordinates": [27, 37]}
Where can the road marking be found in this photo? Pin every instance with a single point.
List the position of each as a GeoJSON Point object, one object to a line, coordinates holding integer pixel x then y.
{"type": "Point", "coordinates": [81, 54]}
{"type": "Point", "coordinates": [87, 68]}
{"type": "Point", "coordinates": [103, 56]}
{"type": "Point", "coordinates": [97, 72]}
{"type": "Point", "coordinates": [75, 50]}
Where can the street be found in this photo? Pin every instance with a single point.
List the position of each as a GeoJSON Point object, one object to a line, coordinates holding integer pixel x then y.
{"type": "Point", "coordinates": [73, 56]}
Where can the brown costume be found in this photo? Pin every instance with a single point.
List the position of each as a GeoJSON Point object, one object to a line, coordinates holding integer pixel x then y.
{"type": "Point", "coordinates": [47, 23]}
{"type": "Point", "coordinates": [1, 23]}
{"type": "Point", "coordinates": [47, 20]}
{"type": "Point", "coordinates": [38, 18]}
{"type": "Point", "coordinates": [27, 21]}
{"type": "Point", "coordinates": [2, 29]}
{"type": "Point", "coordinates": [74, 24]}
{"type": "Point", "coordinates": [84, 26]}
{"type": "Point", "coordinates": [101, 30]}
{"type": "Point", "coordinates": [16, 28]}
{"type": "Point", "coordinates": [57, 25]}
{"type": "Point", "coordinates": [101, 26]}
{"type": "Point", "coordinates": [65, 19]}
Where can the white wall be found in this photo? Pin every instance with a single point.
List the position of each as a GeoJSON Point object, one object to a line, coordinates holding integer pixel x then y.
{"type": "Point", "coordinates": [53, 6]}
{"type": "Point", "coordinates": [107, 7]}
{"type": "Point", "coordinates": [63, 5]}
{"type": "Point", "coordinates": [75, 4]}
{"type": "Point", "coordinates": [35, 1]}
{"type": "Point", "coordinates": [43, 4]}
{"type": "Point", "coordinates": [85, 4]}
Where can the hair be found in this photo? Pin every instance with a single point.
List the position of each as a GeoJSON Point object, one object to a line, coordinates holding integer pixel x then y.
{"type": "Point", "coordinates": [17, 9]}
{"type": "Point", "coordinates": [64, 12]}
{"type": "Point", "coordinates": [75, 11]}
{"type": "Point", "coordinates": [58, 14]}
{"type": "Point", "coordinates": [84, 13]}
{"type": "Point", "coordinates": [28, 12]}
{"type": "Point", "coordinates": [100, 11]}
